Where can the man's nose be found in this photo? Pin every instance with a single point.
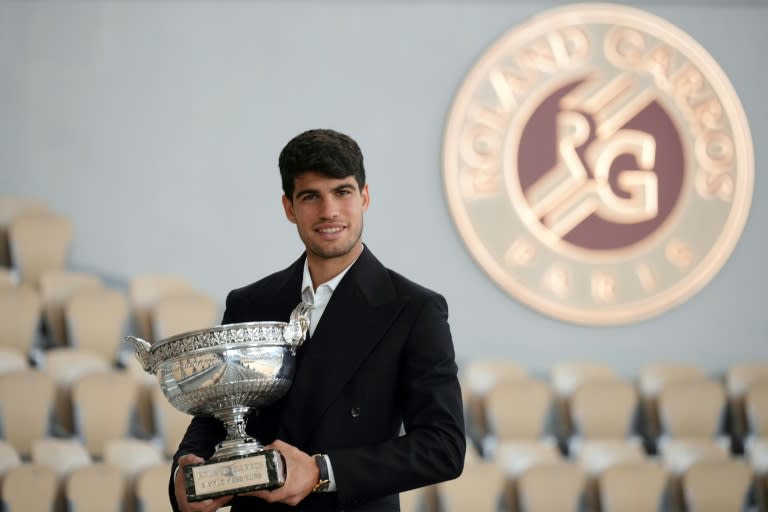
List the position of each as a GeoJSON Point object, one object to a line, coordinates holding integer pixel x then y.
{"type": "Point", "coordinates": [329, 208]}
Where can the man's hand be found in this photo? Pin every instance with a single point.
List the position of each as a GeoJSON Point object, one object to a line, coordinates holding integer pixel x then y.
{"type": "Point", "coordinates": [181, 492]}
{"type": "Point", "coordinates": [302, 476]}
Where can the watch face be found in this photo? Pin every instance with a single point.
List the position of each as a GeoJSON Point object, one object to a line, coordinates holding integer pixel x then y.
{"type": "Point", "coordinates": [598, 164]}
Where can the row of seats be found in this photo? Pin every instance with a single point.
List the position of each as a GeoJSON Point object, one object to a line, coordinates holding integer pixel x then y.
{"type": "Point", "coordinates": [591, 400]}
{"type": "Point", "coordinates": [95, 407]}
{"type": "Point", "coordinates": [76, 309]}
{"type": "Point", "coordinates": [564, 486]}
{"type": "Point", "coordinates": [89, 487]}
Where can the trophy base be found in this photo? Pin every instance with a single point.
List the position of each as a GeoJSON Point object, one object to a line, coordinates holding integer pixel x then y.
{"type": "Point", "coordinates": [236, 474]}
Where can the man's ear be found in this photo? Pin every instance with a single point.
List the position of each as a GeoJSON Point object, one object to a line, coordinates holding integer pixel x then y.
{"type": "Point", "coordinates": [288, 207]}
{"type": "Point", "coordinates": [366, 197]}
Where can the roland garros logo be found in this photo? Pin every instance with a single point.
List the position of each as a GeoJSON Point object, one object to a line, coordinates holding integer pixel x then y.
{"type": "Point", "coordinates": [598, 164]}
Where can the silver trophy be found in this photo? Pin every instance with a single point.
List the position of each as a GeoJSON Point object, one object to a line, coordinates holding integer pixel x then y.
{"type": "Point", "coordinates": [227, 372]}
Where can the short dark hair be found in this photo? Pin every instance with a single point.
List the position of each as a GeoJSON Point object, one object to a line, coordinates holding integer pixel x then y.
{"type": "Point", "coordinates": [323, 151]}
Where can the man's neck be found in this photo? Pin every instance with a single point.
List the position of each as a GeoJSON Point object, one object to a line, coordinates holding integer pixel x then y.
{"type": "Point", "coordinates": [323, 270]}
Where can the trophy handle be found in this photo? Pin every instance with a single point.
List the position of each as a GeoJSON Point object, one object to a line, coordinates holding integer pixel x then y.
{"type": "Point", "coordinates": [298, 324]}
{"type": "Point", "coordinates": [143, 353]}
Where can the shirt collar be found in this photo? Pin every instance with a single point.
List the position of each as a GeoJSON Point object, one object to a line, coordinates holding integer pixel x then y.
{"type": "Point", "coordinates": [306, 280]}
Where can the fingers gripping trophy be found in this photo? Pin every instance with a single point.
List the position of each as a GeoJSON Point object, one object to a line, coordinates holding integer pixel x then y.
{"type": "Point", "coordinates": [227, 372]}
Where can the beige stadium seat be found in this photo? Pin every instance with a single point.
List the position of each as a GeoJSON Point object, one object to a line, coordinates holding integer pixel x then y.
{"type": "Point", "coordinates": [632, 487]}
{"type": "Point", "coordinates": [170, 422]}
{"type": "Point", "coordinates": [12, 359]}
{"type": "Point", "coordinates": [61, 455]}
{"type": "Point", "coordinates": [26, 405]}
{"type": "Point", "coordinates": [95, 424]}
{"type": "Point", "coordinates": [597, 456]}
{"type": "Point", "coordinates": [56, 286]}
{"type": "Point", "coordinates": [30, 487]}
{"type": "Point", "coordinates": [65, 366]}
{"type": "Point", "coordinates": [182, 313]}
{"type": "Point", "coordinates": [691, 411]}
{"type": "Point", "coordinates": [97, 487]}
{"type": "Point", "coordinates": [132, 456]}
{"type": "Point", "coordinates": [7, 278]}
{"type": "Point", "coordinates": [10, 208]}
{"type": "Point", "coordinates": [96, 321]}
{"type": "Point", "coordinates": [655, 377]}
{"type": "Point", "coordinates": [565, 377]}
{"type": "Point", "coordinates": [756, 445]}
{"type": "Point", "coordinates": [548, 487]}
{"type": "Point", "coordinates": [717, 486]}
{"type": "Point", "coordinates": [478, 377]}
{"type": "Point", "coordinates": [738, 379]}
{"type": "Point", "coordinates": [40, 241]}
{"type": "Point", "coordinates": [145, 290]}
{"type": "Point", "coordinates": [152, 488]}
{"type": "Point", "coordinates": [9, 459]}
{"type": "Point", "coordinates": [20, 313]}
{"type": "Point", "coordinates": [145, 408]}
{"type": "Point", "coordinates": [479, 488]}
{"type": "Point", "coordinates": [603, 410]}
{"type": "Point", "coordinates": [518, 410]}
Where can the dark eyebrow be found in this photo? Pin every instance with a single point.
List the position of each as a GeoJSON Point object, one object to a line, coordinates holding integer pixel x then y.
{"type": "Point", "coordinates": [306, 192]}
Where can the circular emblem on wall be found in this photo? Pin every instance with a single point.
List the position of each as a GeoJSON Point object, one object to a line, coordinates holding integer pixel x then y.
{"type": "Point", "coordinates": [598, 164]}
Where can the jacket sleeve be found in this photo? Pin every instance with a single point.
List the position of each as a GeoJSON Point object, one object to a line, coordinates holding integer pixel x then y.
{"type": "Point", "coordinates": [433, 445]}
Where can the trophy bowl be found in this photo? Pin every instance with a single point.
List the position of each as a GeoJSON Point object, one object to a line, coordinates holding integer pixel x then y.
{"type": "Point", "coordinates": [227, 372]}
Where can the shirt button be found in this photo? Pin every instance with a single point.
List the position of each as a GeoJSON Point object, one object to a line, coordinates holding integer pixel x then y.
{"type": "Point", "coordinates": [355, 412]}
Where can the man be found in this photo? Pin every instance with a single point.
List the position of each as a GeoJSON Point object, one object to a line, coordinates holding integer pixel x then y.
{"type": "Point", "coordinates": [375, 394]}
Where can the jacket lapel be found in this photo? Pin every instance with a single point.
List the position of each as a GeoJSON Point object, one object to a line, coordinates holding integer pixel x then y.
{"type": "Point", "coordinates": [356, 318]}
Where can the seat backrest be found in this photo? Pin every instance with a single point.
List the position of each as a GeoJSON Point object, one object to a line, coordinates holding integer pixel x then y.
{"type": "Point", "coordinates": [26, 405]}
{"type": "Point", "coordinates": [170, 422]}
{"type": "Point", "coordinates": [738, 379]}
{"type": "Point", "coordinates": [757, 409]}
{"type": "Point", "coordinates": [97, 487]}
{"type": "Point", "coordinates": [20, 312]}
{"type": "Point", "coordinates": [692, 409]}
{"type": "Point", "coordinates": [519, 409]}
{"type": "Point", "coordinates": [655, 377]}
{"type": "Point", "coordinates": [56, 286]}
{"type": "Point", "coordinates": [61, 455]}
{"type": "Point", "coordinates": [10, 208]}
{"type": "Point", "coordinates": [595, 456]}
{"type": "Point", "coordinates": [94, 422]}
{"type": "Point", "coordinates": [7, 277]}
{"type": "Point", "coordinates": [132, 455]}
{"type": "Point", "coordinates": [183, 312]}
{"type": "Point", "coordinates": [152, 488]}
{"type": "Point", "coordinates": [568, 375]}
{"type": "Point", "coordinates": [29, 487]}
{"type": "Point", "coordinates": [12, 359]}
{"type": "Point", "coordinates": [145, 290]}
{"type": "Point", "coordinates": [65, 366]}
{"type": "Point", "coordinates": [717, 485]}
{"type": "Point", "coordinates": [9, 457]}
{"type": "Point", "coordinates": [96, 320]}
{"type": "Point", "coordinates": [554, 486]}
{"type": "Point", "coordinates": [480, 487]}
{"type": "Point", "coordinates": [40, 241]}
{"type": "Point", "coordinates": [604, 409]}
{"type": "Point", "coordinates": [478, 377]}
{"type": "Point", "coordinates": [632, 487]}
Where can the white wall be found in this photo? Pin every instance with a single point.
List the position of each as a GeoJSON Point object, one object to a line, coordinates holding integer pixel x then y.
{"type": "Point", "coordinates": [156, 126]}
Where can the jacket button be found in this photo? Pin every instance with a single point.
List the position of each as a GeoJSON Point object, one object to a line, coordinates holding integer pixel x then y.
{"type": "Point", "coordinates": [355, 412]}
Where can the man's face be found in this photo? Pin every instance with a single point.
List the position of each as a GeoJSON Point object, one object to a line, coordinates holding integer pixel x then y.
{"type": "Point", "coordinates": [328, 213]}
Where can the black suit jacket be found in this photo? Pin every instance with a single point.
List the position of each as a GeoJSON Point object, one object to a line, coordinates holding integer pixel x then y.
{"type": "Point", "coordinates": [380, 362]}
